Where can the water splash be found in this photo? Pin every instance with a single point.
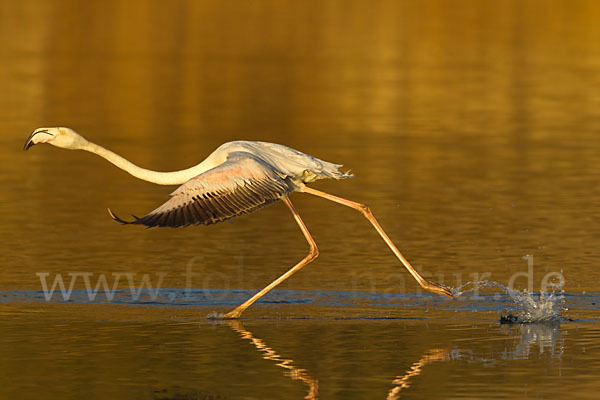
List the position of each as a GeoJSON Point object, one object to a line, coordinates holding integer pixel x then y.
{"type": "Point", "coordinates": [528, 307]}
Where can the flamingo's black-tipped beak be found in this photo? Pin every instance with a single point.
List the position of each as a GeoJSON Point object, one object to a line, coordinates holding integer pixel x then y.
{"type": "Point", "coordinates": [30, 141]}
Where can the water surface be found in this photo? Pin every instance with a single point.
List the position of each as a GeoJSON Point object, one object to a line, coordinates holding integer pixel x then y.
{"type": "Point", "coordinates": [472, 130]}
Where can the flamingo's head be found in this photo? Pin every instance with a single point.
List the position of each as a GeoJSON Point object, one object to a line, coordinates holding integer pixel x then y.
{"type": "Point", "coordinates": [65, 138]}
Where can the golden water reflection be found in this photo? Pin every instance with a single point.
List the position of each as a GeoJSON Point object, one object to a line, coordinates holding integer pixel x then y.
{"type": "Point", "coordinates": [163, 350]}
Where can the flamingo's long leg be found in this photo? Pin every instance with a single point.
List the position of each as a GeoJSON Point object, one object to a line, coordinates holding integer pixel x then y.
{"type": "Point", "coordinates": [312, 254]}
{"type": "Point", "coordinates": [364, 209]}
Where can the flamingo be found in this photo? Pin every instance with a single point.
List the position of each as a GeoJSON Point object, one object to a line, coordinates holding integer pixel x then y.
{"type": "Point", "coordinates": [238, 178]}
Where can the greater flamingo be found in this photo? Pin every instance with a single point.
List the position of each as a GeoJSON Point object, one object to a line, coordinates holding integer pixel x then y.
{"type": "Point", "coordinates": [237, 178]}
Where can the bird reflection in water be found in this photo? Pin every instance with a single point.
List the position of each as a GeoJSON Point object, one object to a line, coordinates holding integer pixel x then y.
{"type": "Point", "coordinates": [400, 382]}
{"type": "Point", "coordinates": [286, 363]}
{"type": "Point", "coordinates": [546, 336]}
{"type": "Point", "coordinates": [403, 382]}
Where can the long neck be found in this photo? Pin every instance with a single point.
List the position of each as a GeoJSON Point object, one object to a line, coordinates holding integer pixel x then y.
{"type": "Point", "coordinates": [160, 178]}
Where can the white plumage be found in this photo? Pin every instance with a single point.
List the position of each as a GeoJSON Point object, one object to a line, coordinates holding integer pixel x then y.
{"type": "Point", "coordinates": [240, 177]}
{"type": "Point", "coordinates": [247, 177]}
